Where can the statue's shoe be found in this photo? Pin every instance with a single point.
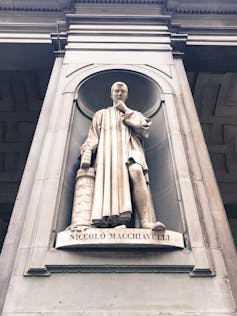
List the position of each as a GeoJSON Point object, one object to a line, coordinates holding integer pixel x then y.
{"type": "Point", "coordinates": [157, 226]}
{"type": "Point", "coordinates": [120, 226]}
{"type": "Point", "coordinates": [79, 228]}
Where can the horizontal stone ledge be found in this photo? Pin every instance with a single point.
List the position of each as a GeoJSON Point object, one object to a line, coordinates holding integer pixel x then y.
{"type": "Point", "coordinates": [119, 237]}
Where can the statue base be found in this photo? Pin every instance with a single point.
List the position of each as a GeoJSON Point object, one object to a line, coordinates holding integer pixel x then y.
{"type": "Point", "coordinates": [119, 238]}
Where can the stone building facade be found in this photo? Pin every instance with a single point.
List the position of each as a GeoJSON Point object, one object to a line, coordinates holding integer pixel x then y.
{"type": "Point", "coordinates": [57, 60]}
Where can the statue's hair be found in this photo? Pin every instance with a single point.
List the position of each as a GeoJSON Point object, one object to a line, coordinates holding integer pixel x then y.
{"type": "Point", "coordinates": [118, 83]}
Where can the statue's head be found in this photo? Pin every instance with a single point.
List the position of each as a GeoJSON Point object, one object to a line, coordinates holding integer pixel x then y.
{"type": "Point", "coordinates": [119, 91]}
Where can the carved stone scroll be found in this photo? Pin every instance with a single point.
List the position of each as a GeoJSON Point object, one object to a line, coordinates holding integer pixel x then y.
{"type": "Point", "coordinates": [83, 198]}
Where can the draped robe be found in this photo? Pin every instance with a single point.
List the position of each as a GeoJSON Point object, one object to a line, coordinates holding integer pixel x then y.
{"type": "Point", "coordinates": [116, 139]}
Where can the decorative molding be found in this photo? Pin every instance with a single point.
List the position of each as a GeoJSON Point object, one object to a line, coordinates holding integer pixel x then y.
{"type": "Point", "coordinates": [159, 2]}
{"type": "Point", "coordinates": [168, 6]}
{"type": "Point", "coordinates": [119, 19]}
{"type": "Point", "coordinates": [192, 7]}
{"type": "Point", "coordinates": [119, 261]}
{"type": "Point", "coordinates": [169, 10]}
{"type": "Point", "coordinates": [13, 8]}
{"type": "Point", "coordinates": [43, 5]}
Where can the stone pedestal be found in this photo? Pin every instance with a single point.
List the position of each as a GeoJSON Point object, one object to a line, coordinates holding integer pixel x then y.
{"type": "Point", "coordinates": [119, 238]}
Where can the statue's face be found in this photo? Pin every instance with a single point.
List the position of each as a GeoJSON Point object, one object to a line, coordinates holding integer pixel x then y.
{"type": "Point", "coordinates": [119, 93]}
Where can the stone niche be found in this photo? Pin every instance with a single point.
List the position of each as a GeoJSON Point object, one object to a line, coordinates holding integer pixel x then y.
{"type": "Point", "coordinates": [154, 92]}
{"type": "Point", "coordinates": [145, 95]}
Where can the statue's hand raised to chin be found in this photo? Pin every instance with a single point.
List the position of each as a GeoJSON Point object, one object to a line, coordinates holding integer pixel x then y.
{"type": "Point", "coordinates": [120, 105]}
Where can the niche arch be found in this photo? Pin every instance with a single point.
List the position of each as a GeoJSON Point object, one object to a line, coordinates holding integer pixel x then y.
{"type": "Point", "coordinates": [147, 90]}
{"type": "Point", "coordinates": [94, 91]}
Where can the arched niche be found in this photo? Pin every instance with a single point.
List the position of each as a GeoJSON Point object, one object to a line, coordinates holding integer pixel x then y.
{"type": "Point", "coordinates": [145, 95]}
{"type": "Point", "coordinates": [94, 91]}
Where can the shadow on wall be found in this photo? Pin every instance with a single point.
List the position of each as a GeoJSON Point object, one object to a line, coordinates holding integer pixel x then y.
{"type": "Point", "coordinates": [5, 214]}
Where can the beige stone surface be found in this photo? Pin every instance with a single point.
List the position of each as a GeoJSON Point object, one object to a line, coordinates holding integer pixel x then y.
{"type": "Point", "coordinates": [113, 293]}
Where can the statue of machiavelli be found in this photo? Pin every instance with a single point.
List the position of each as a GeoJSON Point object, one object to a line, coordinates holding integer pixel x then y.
{"type": "Point", "coordinates": [121, 173]}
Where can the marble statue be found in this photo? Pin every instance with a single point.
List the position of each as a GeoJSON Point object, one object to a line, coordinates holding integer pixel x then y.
{"type": "Point", "coordinates": [114, 150]}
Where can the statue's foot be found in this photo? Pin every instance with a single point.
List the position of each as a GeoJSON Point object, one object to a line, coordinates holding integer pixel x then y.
{"type": "Point", "coordinates": [79, 228]}
{"type": "Point", "coordinates": [120, 226]}
{"type": "Point", "coordinates": [157, 226]}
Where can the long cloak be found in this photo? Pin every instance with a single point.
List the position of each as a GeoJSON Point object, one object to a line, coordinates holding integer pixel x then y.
{"type": "Point", "coordinates": [116, 139]}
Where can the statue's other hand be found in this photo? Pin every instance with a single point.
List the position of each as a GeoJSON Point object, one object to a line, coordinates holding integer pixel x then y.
{"type": "Point", "coordinates": [85, 154]}
{"type": "Point", "coordinates": [147, 122]}
{"type": "Point", "coordinates": [83, 148]}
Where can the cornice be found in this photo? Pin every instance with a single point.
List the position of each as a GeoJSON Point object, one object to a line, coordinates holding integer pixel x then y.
{"type": "Point", "coordinates": [63, 5]}
{"type": "Point", "coordinates": [30, 9]}
{"type": "Point", "coordinates": [199, 11]}
{"type": "Point", "coordinates": [159, 2]}
{"type": "Point", "coordinates": [179, 6]}
{"type": "Point", "coordinates": [41, 6]}
{"type": "Point", "coordinates": [191, 7]}
{"type": "Point", "coordinates": [172, 7]}
{"type": "Point", "coordinates": [140, 19]}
